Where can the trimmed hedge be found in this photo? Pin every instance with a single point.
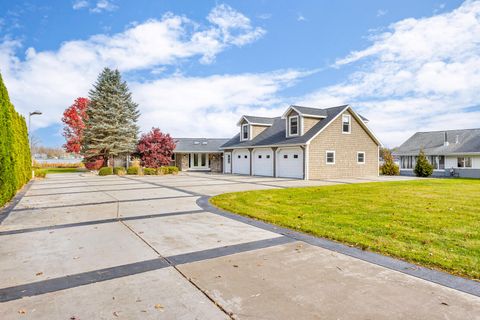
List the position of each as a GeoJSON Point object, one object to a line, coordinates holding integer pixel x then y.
{"type": "Point", "coordinates": [15, 159]}
{"type": "Point", "coordinates": [119, 171]}
{"type": "Point", "coordinates": [40, 173]}
{"type": "Point", "coordinates": [105, 171]}
{"type": "Point", "coordinates": [133, 170]}
{"type": "Point", "coordinates": [167, 170]}
{"type": "Point", "coordinates": [149, 171]}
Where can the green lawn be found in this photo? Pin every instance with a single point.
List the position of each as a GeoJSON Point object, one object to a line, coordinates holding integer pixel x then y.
{"type": "Point", "coordinates": [63, 170]}
{"type": "Point", "coordinates": [435, 222]}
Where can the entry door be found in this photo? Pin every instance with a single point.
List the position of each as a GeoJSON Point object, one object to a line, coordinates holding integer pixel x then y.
{"type": "Point", "coordinates": [227, 160]}
{"type": "Point", "coordinates": [199, 161]}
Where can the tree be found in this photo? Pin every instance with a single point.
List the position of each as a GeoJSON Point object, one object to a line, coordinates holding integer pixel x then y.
{"type": "Point", "coordinates": [155, 148]}
{"type": "Point", "coordinates": [423, 168]}
{"type": "Point", "coordinates": [15, 161]}
{"type": "Point", "coordinates": [74, 118]}
{"type": "Point", "coordinates": [388, 168]}
{"type": "Point", "coordinates": [111, 125]}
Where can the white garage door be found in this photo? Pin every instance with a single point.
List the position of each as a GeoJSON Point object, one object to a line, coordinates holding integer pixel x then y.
{"type": "Point", "coordinates": [290, 163]}
{"type": "Point", "coordinates": [263, 162]}
{"type": "Point", "coordinates": [241, 161]}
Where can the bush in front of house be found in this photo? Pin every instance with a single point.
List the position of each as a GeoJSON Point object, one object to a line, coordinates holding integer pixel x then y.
{"type": "Point", "coordinates": [423, 168]}
{"type": "Point", "coordinates": [149, 171]}
{"type": "Point", "coordinates": [40, 173]}
{"type": "Point", "coordinates": [168, 170]}
{"type": "Point", "coordinates": [133, 170]}
{"type": "Point", "coordinates": [119, 171]}
{"type": "Point", "coordinates": [389, 168]}
{"type": "Point", "coordinates": [105, 171]}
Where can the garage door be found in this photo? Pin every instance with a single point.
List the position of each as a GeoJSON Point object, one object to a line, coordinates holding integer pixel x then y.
{"type": "Point", "coordinates": [241, 161]}
{"type": "Point", "coordinates": [263, 162]}
{"type": "Point", "coordinates": [290, 163]}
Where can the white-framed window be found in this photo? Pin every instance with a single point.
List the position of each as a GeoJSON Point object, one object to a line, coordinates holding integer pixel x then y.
{"type": "Point", "coordinates": [228, 159]}
{"type": "Point", "coordinates": [245, 132]}
{"type": "Point", "coordinates": [361, 157]}
{"type": "Point", "coordinates": [293, 126]}
{"type": "Point", "coordinates": [330, 157]}
{"type": "Point", "coordinates": [464, 162]}
{"type": "Point", "coordinates": [346, 123]}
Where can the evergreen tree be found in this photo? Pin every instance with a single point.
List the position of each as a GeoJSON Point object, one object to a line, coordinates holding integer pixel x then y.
{"type": "Point", "coordinates": [423, 168]}
{"type": "Point", "coordinates": [389, 168]}
{"type": "Point", "coordinates": [111, 126]}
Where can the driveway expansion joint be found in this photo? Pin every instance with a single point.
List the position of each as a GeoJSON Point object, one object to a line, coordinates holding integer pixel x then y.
{"type": "Point", "coordinates": [442, 278]}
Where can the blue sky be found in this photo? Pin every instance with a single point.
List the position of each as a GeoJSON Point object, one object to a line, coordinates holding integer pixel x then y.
{"type": "Point", "coordinates": [195, 67]}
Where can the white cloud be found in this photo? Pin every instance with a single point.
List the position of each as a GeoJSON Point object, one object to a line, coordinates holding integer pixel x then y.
{"type": "Point", "coordinates": [51, 80]}
{"type": "Point", "coordinates": [420, 75]}
{"type": "Point", "coordinates": [301, 17]}
{"type": "Point", "coordinates": [104, 5]}
{"type": "Point", "coordinates": [80, 4]}
{"type": "Point", "coordinates": [381, 12]}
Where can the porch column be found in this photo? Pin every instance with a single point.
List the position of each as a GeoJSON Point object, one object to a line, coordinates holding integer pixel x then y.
{"type": "Point", "coordinates": [274, 149]}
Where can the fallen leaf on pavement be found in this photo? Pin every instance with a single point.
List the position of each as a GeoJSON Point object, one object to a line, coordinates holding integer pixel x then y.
{"type": "Point", "coordinates": [115, 313]}
{"type": "Point", "coordinates": [159, 307]}
{"type": "Point", "coordinates": [444, 303]}
{"type": "Point", "coordinates": [38, 273]}
{"type": "Point", "coordinates": [22, 311]}
{"type": "Point", "coordinates": [235, 266]}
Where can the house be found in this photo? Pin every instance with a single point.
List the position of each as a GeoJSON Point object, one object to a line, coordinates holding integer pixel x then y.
{"type": "Point", "coordinates": [450, 152]}
{"type": "Point", "coordinates": [304, 143]}
{"type": "Point", "coordinates": [198, 154]}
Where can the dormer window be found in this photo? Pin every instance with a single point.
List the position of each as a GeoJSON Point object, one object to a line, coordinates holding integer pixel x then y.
{"type": "Point", "coordinates": [245, 132]}
{"type": "Point", "coordinates": [346, 123]}
{"type": "Point", "coordinates": [293, 126]}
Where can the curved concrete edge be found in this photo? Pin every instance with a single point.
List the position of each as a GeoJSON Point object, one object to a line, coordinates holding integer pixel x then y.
{"type": "Point", "coordinates": [442, 278]}
{"type": "Point", "coordinates": [5, 212]}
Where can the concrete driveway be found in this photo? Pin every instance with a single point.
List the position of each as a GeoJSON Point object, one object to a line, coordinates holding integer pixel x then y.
{"type": "Point", "coordinates": [78, 246]}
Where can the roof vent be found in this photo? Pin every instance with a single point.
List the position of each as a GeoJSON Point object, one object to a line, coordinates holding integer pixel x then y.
{"type": "Point", "coordinates": [445, 140]}
{"type": "Point", "coordinates": [196, 142]}
{"type": "Point", "coordinates": [456, 139]}
{"type": "Point", "coordinates": [204, 142]}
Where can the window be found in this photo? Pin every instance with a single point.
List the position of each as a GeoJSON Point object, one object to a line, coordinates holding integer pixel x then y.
{"type": "Point", "coordinates": [268, 156]}
{"type": "Point", "coordinates": [239, 156]}
{"type": "Point", "coordinates": [407, 162]}
{"type": "Point", "coordinates": [259, 156]}
{"type": "Point", "coordinates": [173, 156]}
{"type": "Point", "coordinates": [346, 119]}
{"type": "Point", "coordinates": [285, 156]}
{"type": "Point", "coordinates": [295, 156]}
{"type": "Point", "coordinates": [228, 159]}
{"type": "Point", "coordinates": [245, 132]}
{"type": "Point", "coordinates": [361, 157]}
{"type": "Point", "coordinates": [246, 157]}
{"type": "Point", "coordinates": [330, 157]}
{"type": "Point", "coordinates": [464, 162]}
{"type": "Point", "coordinates": [293, 125]}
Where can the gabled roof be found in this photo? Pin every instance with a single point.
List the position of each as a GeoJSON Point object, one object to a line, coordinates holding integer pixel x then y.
{"type": "Point", "coordinates": [198, 144]}
{"type": "Point", "coordinates": [261, 121]}
{"type": "Point", "coordinates": [433, 142]}
{"type": "Point", "coordinates": [276, 134]}
{"type": "Point", "coordinates": [308, 112]}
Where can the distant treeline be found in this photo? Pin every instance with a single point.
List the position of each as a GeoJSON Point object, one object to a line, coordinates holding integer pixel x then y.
{"type": "Point", "coordinates": [15, 160]}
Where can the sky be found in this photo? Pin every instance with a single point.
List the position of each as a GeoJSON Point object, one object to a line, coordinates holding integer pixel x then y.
{"type": "Point", "coordinates": [195, 67]}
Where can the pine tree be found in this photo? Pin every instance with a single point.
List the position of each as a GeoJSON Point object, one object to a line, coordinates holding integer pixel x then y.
{"type": "Point", "coordinates": [389, 168]}
{"type": "Point", "coordinates": [423, 168]}
{"type": "Point", "coordinates": [111, 126]}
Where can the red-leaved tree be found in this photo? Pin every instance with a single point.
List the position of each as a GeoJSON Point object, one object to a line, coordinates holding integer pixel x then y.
{"type": "Point", "coordinates": [74, 122]}
{"type": "Point", "coordinates": [155, 148]}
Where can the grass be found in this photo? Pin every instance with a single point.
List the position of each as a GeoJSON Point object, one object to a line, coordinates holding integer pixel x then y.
{"type": "Point", "coordinates": [434, 222]}
{"type": "Point", "coordinates": [63, 170]}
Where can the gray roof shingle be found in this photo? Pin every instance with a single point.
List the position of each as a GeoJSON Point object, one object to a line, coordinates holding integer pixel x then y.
{"type": "Point", "coordinates": [311, 111]}
{"type": "Point", "coordinates": [198, 144]}
{"type": "Point", "coordinates": [260, 120]}
{"type": "Point", "coordinates": [276, 135]}
{"type": "Point", "coordinates": [432, 142]}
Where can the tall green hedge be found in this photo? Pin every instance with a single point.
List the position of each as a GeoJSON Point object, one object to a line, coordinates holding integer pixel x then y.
{"type": "Point", "coordinates": [15, 160]}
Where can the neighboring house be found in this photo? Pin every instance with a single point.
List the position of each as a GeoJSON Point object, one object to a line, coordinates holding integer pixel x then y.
{"type": "Point", "coordinates": [198, 154]}
{"type": "Point", "coordinates": [456, 151]}
{"type": "Point", "coordinates": [304, 143]}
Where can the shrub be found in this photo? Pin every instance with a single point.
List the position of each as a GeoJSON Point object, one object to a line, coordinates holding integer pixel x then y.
{"type": "Point", "coordinates": [119, 170]}
{"type": "Point", "coordinates": [40, 173]}
{"type": "Point", "coordinates": [37, 164]}
{"type": "Point", "coordinates": [94, 163]}
{"type": "Point", "coordinates": [167, 170]}
{"type": "Point", "coordinates": [149, 171]}
{"type": "Point", "coordinates": [423, 168]}
{"type": "Point", "coordinates": [133, 170]}
{"type": "Point", "coordinates": [105, 171]}
{"type": "Point", "coordinates": [389, 168]}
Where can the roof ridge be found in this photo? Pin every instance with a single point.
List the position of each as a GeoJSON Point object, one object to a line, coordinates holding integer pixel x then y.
{"type": "Point", "coordinates": [447, 130]}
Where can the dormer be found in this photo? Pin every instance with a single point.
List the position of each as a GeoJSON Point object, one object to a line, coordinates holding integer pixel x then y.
{"type": "Point", "coordinates": [299, 120]}
{"type": "Point", "coordinates": [251, 126]}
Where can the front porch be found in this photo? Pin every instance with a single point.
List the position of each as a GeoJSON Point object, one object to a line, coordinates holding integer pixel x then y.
{"type": "Point", "coordinates": [199, 161]}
